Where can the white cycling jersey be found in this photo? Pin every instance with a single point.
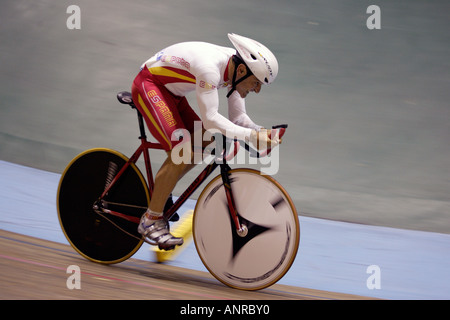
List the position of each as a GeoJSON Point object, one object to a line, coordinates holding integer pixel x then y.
{"type": "Point", "coordinates": [203, 67]}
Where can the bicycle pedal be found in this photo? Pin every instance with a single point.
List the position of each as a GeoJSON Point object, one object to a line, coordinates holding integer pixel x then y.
{"type": "Point", "coordinates": [166, 248]}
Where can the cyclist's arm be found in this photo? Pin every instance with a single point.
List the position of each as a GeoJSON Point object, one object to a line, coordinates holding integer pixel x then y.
{"type": "Point", "coordinates": [237, 112]}
{"type": "Point", "coordinates": [208, 103]}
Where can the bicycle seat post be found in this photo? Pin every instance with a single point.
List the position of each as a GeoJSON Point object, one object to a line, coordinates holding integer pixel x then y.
{"type": "Point", "coordinates": [125, 97]}
{"type": "Point", "coordinates": [141, 125]}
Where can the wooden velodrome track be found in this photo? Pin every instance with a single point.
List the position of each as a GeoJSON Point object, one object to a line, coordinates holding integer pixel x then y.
{"type": "Point", "coordinates": [33, 268]}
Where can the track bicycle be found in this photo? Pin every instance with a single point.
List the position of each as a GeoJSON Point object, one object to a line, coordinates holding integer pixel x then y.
{"type": "Point", "coordinates": [245, 226]}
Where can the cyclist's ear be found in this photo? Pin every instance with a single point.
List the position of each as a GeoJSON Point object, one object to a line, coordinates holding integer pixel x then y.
{"type": "Point", "coordinates": [242, 69]}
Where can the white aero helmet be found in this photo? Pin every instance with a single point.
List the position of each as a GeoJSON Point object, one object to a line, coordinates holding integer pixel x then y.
{"type": "Point", "coordinates": [260, 60]}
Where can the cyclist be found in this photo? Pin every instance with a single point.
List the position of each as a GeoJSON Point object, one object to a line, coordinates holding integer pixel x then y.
{"type": "Point", "coordinates": [159, 92]}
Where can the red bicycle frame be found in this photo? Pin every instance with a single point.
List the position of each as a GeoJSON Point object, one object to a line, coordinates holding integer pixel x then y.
{"type": "Point", "coordinates": [125, 98]}
{"type": "Point", "coordinates": [144, 149]}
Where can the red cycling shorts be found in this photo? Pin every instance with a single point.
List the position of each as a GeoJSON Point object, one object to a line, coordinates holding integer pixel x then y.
{"type": "Point", "coordinates": [163, 111]}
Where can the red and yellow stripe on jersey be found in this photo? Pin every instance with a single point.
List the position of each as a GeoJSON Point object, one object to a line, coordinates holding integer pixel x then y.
{"type": "Point", "coordinates": [167, 75]}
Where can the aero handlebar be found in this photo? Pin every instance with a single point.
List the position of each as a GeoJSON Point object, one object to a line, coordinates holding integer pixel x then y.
{"type": "Point", "coordinates": [277, 131]}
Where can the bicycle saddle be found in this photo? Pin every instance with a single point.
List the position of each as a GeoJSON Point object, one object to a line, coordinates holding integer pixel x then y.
{"type": "Point", "coordinates": [125, 98]}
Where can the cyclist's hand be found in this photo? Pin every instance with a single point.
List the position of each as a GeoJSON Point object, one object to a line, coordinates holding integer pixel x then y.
{"type": "Point", "coordinates": [275, 135]}
{"type": "Point", "coordinates": [262, 139]}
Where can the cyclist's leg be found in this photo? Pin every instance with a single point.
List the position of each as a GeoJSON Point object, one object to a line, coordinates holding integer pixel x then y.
{"type": "Point", "coordinates": [159, 109]}
{"type": "Point", "coordinates": [170, 173]}
{"type": "Point", "coordinates": [152, 224]}
{"type": "Point", "coordinates": [164, 114]}
{"type": "Point", "coordinates": [194, 126]}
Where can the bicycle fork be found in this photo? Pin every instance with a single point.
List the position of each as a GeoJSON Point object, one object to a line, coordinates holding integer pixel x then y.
{"type": "Point", "coordinates": [241, 229]}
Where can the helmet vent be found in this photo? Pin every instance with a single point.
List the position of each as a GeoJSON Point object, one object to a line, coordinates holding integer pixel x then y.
{"type": "Point", "coordinates": [253, 57]}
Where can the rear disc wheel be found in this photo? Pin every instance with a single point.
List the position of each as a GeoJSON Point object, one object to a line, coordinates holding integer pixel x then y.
{"type": "Point", "coordinates": [101, 238]}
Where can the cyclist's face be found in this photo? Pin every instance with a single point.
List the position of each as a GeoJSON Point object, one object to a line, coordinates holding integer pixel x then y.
{"type": "Point", "coordinates": [251, 84]}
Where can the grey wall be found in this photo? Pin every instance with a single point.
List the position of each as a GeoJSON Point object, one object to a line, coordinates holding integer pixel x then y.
{"type": "Point", "coordinates": [368, 110]}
